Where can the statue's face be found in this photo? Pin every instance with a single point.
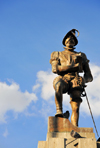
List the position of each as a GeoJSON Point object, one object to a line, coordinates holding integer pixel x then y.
{"type": "Point", "coordinates": [70, 42]}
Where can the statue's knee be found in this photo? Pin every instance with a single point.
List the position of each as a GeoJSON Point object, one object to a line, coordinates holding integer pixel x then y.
{"type": "Point", "coordinates": [75, 94]}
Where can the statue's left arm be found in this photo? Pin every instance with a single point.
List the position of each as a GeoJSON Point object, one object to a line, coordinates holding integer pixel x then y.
{"type": "Point", "coordinates": [87, 72]}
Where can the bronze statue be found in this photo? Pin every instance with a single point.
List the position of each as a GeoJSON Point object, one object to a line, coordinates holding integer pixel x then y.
{"type": "Point", "coordinates": [68, 64]}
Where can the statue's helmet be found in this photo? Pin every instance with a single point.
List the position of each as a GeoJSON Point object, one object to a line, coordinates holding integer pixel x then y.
{"type": "Point", "coordinates": [71, 33]}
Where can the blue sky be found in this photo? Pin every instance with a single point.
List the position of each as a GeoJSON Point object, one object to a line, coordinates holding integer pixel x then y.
{"type": "Point", "coordinates": [30, 30]}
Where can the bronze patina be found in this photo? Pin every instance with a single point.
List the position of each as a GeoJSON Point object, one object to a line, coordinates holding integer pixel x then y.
{"type": "Point", "coordinates": [68, 64]}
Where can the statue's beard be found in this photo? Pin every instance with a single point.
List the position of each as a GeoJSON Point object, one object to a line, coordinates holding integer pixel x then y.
{"type": "Point", "coordinates": [69, 45]}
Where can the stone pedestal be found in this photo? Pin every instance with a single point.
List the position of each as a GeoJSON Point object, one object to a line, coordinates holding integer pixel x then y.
{"type": "Point", "coordinates": [58, 135]}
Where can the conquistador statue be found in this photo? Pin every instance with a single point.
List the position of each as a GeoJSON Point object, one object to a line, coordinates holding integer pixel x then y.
{"type": "Point", "coordinates": [68, 64]}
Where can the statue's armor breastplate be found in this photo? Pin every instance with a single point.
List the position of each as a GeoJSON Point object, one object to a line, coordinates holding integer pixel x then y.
{"type": "Point", "coordinates": [67, 58]}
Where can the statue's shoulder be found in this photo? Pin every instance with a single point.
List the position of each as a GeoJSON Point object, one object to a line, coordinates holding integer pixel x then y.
{"type": "Point", "coordinates": [54, 56]}
{"type": "Point", "coordinates": [84, 58]}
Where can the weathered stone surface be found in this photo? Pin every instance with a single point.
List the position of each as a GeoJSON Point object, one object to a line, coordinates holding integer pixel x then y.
{"type": "Point", "coordinates": [71, 143]}
{"type": "Point", "coordinates": [42, 144]}
{"type": "Point", "coordinates": [67, 135]}
{"type": "Point", "coordinates": [55, 143]}
{"type": "Point", "coordinates": [58, 124]}
{"type": "Point", "coordinates": [87, 142]}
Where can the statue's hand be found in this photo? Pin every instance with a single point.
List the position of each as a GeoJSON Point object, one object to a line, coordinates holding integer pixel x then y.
{"type": "Point", "coordinates": [76, 65]}
{"type": "Point", "coordinates": [73, 65]}
{"type": "Point", "coordinates": [69, 68]}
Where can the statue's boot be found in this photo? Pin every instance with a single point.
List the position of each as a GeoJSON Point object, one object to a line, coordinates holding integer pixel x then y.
{"type": "Point", "coordinates": [58, 102]}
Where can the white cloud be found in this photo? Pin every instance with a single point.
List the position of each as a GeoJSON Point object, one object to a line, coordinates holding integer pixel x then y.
{"type": "Point", "coordinates": [45, 79]}
{"type": "Point", "coordinates": [47, 109]}
{"type": "Point", "coordinates": [35, 87]}
{"type": "Point", "coordinates": [5, 134]}
{"type": "Point", "coordinates": [11, 98]}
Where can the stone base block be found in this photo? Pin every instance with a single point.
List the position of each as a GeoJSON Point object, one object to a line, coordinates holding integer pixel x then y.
{"type": "Point", "coordinates": [59, 136]}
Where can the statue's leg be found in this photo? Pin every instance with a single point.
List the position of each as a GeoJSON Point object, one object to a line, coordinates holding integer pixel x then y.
{"type": "Point", "coordinates": [58, 98]}
{"type": "Point", "coordinates": [75, 104]}
{"type": "Point", "coordinates": [75, 112]}
{"type": "Point", "coordinates": [60, 87]}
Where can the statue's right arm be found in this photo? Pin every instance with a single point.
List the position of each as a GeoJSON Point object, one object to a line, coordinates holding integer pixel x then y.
{"type": "Point", "coordinates": [54, 61]}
